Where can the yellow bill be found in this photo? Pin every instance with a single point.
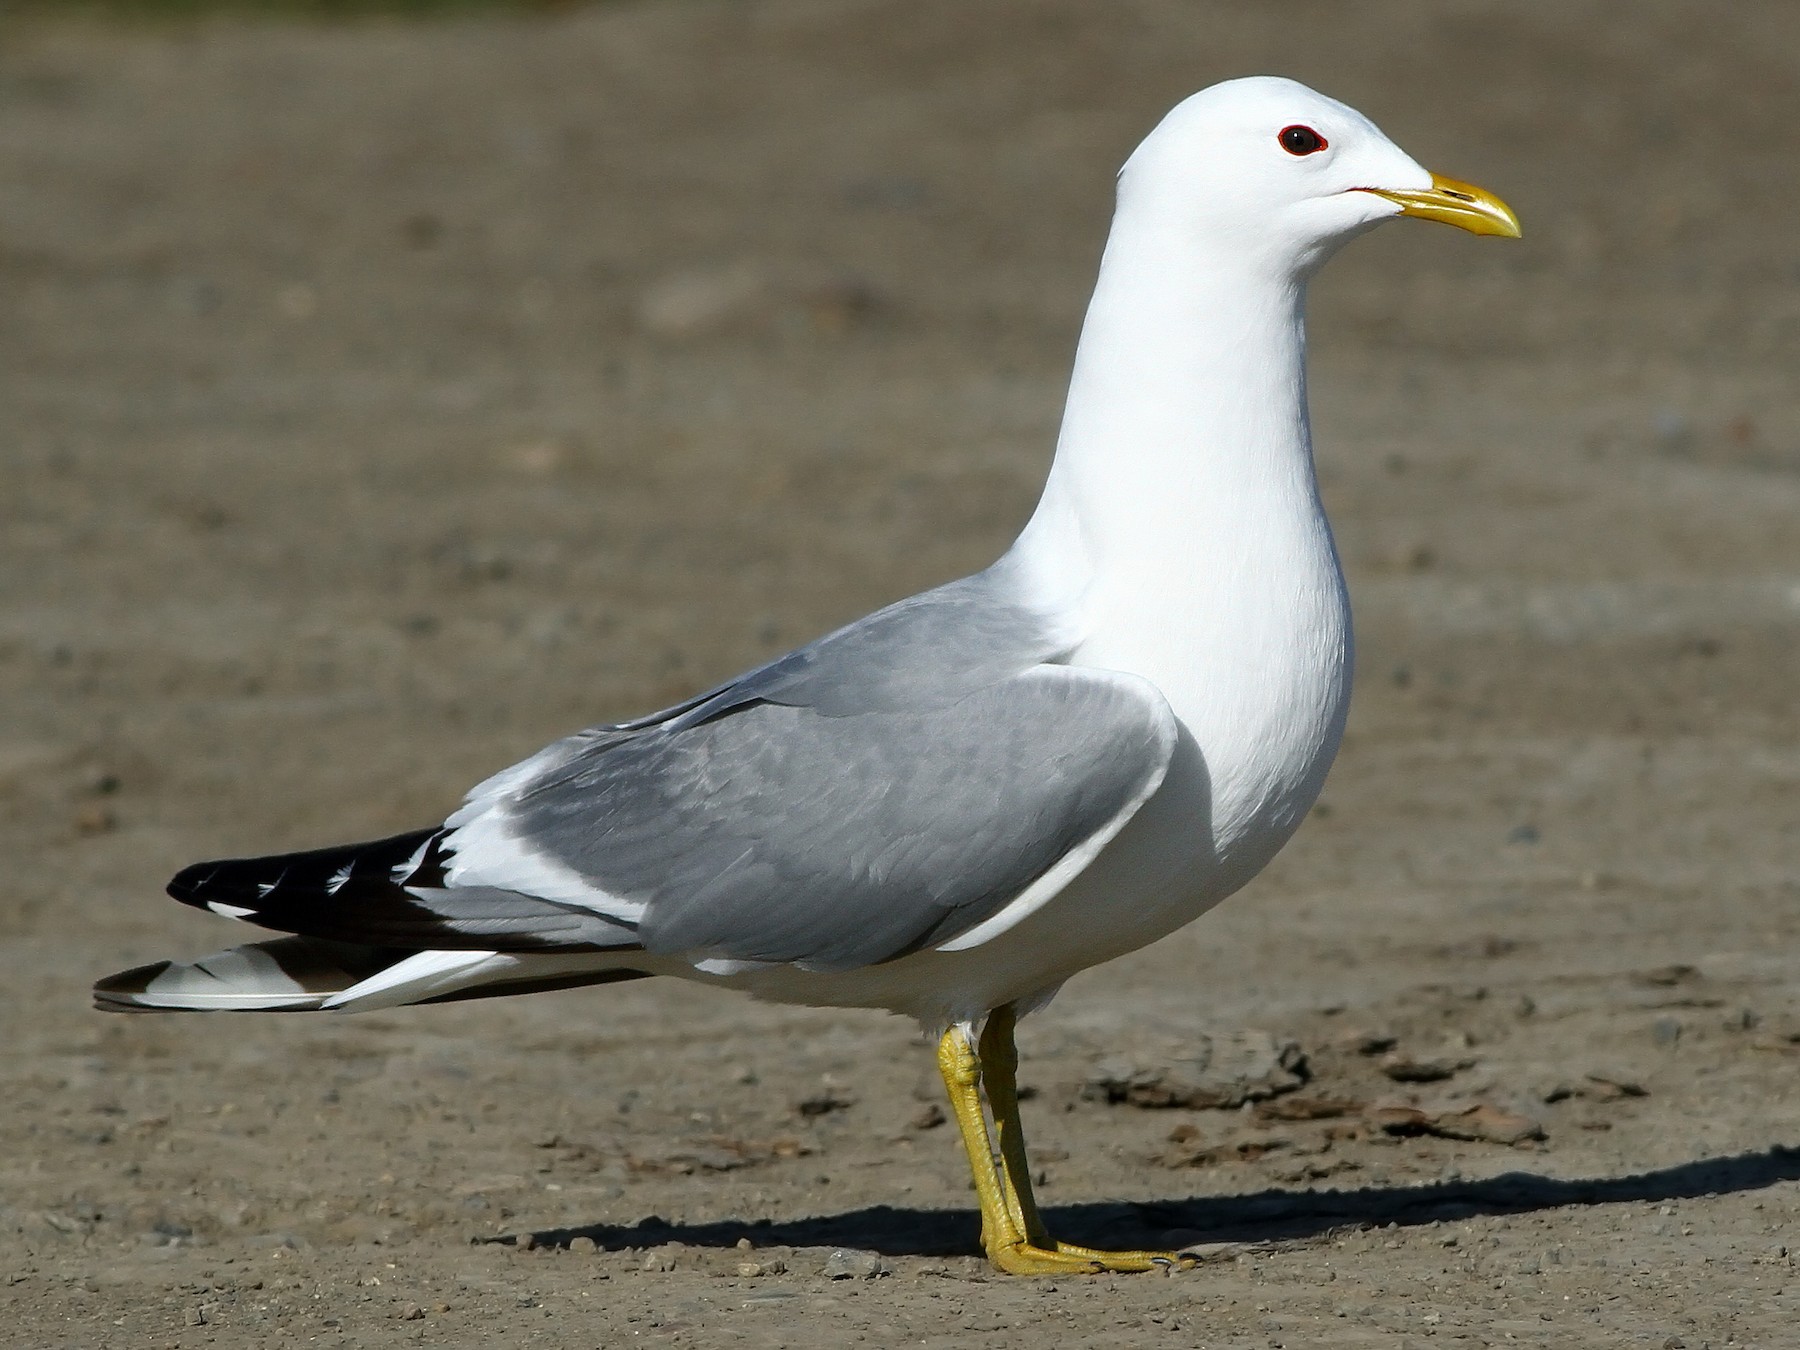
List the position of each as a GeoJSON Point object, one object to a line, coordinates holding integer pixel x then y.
{"type": "Point", "coordinates": [1460, 204]}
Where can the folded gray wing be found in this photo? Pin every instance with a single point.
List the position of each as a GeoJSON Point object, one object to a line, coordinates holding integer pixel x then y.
{"type": "Point", "coordinates": [897, 784]}
{"type": "Point", "coordinates": [777, 833]}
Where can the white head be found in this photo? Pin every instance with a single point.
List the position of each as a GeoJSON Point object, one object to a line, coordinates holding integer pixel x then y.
{"type": "Point", "coordinates": [1279, 174]}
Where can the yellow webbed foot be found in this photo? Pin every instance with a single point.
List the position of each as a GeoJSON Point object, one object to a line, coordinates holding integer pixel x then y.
{"type": "Point", "coordinates": [1023, 1258]}
{"type": "Point", "coordinates": [1127, 1261]}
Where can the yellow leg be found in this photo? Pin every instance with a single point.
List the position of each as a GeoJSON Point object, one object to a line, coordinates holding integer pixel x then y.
{"type": "Point", "coordinates": [1012, 1230]}
{"type": "Point", "coordinates": [999, 1079]}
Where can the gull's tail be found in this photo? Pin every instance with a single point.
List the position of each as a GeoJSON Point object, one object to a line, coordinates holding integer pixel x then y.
{"type": "Point", "coordinates": [375, 926]}
{"type": "Point", "coordinates": [305, 974]}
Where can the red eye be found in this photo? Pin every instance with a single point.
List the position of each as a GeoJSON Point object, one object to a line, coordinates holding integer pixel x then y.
{"type": "Point", "coordinates": [1301, 140]}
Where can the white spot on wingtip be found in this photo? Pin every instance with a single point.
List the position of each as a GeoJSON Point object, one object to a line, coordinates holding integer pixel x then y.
{"type": "Point", "coordinates": [219, 907]}
{"type": "Point", "coordinates": [411, 865]}
{"type": "Point", "coordinates": [338, 878]}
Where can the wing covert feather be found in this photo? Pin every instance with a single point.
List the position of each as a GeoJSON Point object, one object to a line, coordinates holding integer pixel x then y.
{"type": "Point", "coordinates": [777, 833]}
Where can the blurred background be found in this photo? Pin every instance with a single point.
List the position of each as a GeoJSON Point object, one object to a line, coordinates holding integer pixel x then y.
{"type": "Point", "coordinates": [391, 387]}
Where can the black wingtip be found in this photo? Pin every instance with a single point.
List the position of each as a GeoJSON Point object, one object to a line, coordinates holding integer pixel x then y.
{"type": "Point", "coordinates": [187, 884]}
{"type": "Point", "coordinates": [247, 882]}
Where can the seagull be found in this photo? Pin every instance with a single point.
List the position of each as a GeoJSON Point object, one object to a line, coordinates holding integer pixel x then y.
{"type": "Point", "coordinates": [949, 807]}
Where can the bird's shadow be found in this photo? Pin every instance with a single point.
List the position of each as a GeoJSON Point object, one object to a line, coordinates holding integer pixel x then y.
{"type": "Point", "coordinates": [1262, 1216]}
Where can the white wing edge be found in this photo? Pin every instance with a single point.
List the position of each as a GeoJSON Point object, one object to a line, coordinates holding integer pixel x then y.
{"type": "Point", "coordinates": [484, 851]}
{"type": "Point", "coordinates": [1076, 860]}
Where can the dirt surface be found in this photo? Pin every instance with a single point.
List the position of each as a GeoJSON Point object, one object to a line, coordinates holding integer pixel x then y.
{"type": "Point", "coordinates": [380, 402]}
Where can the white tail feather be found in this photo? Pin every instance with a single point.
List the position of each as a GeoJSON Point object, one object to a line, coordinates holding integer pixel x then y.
{"type": "Point", "coordinates": [242, 979]}
{"type": "Point", "coordinates": [427, 975]}
{"type": "Point", "coordinates": [297, 974]}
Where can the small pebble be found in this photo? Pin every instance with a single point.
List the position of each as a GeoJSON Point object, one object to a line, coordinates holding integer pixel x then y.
{"type": "Point", "coordinates": [848, 1264]}
{"type": "Point", "coordinates": [583, 1246]}
{"type": "Point", "coordinates": [1610, 1084]}
{"type": "Point", "coordinates": [1360, 1041]}
{"type": "Point", "coordinates": [823, 1103]}
{"type": "Point", "coordinates": [1407, 1068]}
{"type": "Point", "coordinates": [1213, 1251]}
{"type": "Point", "coordinates": [927, 1117]}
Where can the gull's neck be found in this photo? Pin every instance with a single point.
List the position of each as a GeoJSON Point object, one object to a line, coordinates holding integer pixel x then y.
{"type": "Point", "coordinates": [1185, 435]}
{"type": "Point", "coordinates": [1180, 538]}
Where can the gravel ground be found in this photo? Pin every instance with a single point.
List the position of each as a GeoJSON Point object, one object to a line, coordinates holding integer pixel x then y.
{"type": "Point", "coordinates": [384, 400]}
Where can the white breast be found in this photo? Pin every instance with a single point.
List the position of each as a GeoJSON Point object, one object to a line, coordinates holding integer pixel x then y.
{"type": "Point", "coordinates": [1251, 646]}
